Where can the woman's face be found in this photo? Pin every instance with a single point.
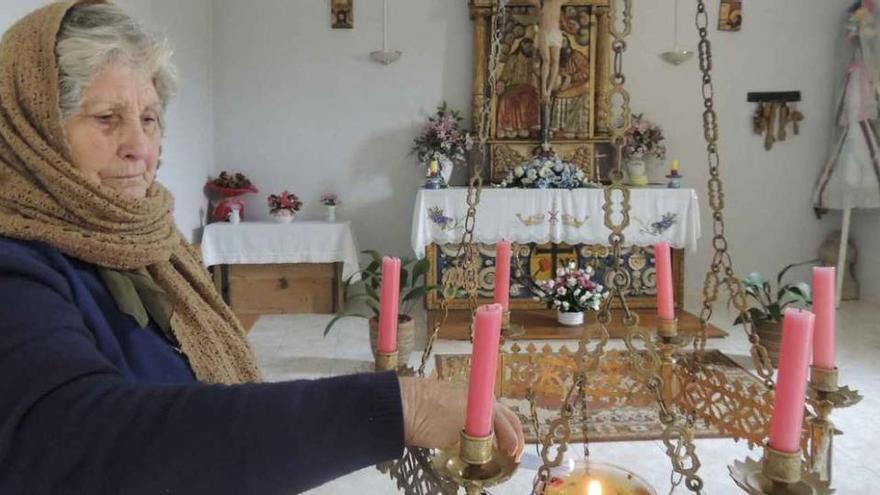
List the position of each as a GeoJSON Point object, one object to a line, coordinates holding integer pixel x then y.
{"type": "Point", "coordinates": [116, 136]}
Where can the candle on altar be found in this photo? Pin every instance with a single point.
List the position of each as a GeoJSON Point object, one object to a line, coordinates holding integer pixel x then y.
{"type": "Point", "coordinates": [675, 165]}
{"type": "Point", "coordinates": [484, 363]}
{"type": "Point", "coordinates": [389, 295]}
{"type": "Point", "coordinates": [434, 168]}
{"type": "Point", "coordinates": [663, 264]}
{"type": "Point", "coordinates": [502, 274]}
{"type": "Point", "coordinates": [791, 382]}
{"type": "Point", "coordinates": [824, 309]}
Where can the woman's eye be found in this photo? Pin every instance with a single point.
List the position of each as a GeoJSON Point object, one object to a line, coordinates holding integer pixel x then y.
{"type": "Point", "coordinates": [105, 119]}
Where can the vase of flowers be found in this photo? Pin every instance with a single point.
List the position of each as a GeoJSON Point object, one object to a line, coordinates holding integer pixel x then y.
{"type": "Point", "coordinates": [442, 140]}
{"type": "Point", "coordinates": [644, 150]}
{"type": "Point", "coordinates": [330, 200]}
{"type": "Point", "coordinates": [571, 293]}
{"type": "Point", "coordinates": [284, 206]}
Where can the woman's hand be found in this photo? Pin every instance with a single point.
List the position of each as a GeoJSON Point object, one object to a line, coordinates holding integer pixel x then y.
{"type": "Point", "coordinates": [434, 415]}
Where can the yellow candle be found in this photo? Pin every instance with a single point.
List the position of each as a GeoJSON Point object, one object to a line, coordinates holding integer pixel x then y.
{"type": "Point", "coordinates": [675, 165]}
{"type": "Point", "coordinates": [434, 167]}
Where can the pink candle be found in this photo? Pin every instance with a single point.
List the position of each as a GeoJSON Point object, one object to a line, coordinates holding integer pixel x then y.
{"type": "Point", "coordinates": [484, 363]}
{"type": "Point", "coordinates": [791, 382]}
{"type": "Point", "coordinates": [389, 295]}
{"type": "Point", "coordinates": [502, 274]}
{"type": "Point", "coordinates": [823, 306]}
{"type": "Point", "coordinates": [663, 263]}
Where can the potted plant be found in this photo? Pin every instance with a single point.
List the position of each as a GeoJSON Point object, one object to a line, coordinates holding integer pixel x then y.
{"type": "Point", "coordinates": [571, 293]}
{"type": "Point", "coordinates": [283, 206]}
{"type": "Point", "coordinates": [413, 287]}
{"type": "Point", "coordinates": [768, 306]}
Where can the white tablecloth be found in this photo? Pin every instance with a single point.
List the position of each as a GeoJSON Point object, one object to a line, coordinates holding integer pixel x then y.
{"type": "Point", "coordinates": [555, 215]}
{"type": "Point", "coordinates": [269, 242]}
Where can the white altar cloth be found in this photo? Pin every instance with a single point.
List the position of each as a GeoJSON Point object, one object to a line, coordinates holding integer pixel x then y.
{"type": "Point", "coordinates": [555, 216]}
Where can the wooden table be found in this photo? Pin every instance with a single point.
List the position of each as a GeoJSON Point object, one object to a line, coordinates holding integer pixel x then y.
{"type": "Point", "coordinates": [271, 268]}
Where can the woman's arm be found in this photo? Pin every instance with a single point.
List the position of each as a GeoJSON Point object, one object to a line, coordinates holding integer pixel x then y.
{"type": "Point", "coordinates": [69, 423]}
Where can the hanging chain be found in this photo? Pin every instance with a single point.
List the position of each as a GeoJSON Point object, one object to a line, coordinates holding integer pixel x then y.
{"type": "Point", "coordinates": [721, 270]}
{"type": "Point", "coordinates": [464, 273]}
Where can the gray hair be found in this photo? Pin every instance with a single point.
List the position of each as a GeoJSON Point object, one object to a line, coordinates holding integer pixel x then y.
{"type": "Point", "coordinates": [95, 36]}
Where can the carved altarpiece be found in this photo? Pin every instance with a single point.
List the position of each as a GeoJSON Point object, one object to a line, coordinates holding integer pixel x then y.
{"type": "Point", "coordinates": [579, 115]}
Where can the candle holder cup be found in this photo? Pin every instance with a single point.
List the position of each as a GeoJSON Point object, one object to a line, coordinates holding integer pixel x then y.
{"type": "Point", "coordinates": [778, 473]}
{"type": "Point", "coordinates": [386, 361]}
{"type": "Point", "coordinates": [825, 395]}
{"type": "Point", "coordinates": [510, 330]}
{"type": "Point", "coordinates": [475, 465]}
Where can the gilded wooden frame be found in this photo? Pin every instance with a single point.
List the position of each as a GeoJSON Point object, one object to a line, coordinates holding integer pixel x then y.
{"type": "Point", "coordinates": [506, 153]}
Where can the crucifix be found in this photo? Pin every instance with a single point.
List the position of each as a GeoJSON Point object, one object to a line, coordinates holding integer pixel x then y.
{"type": "Point", "coordinates": [549, 40]}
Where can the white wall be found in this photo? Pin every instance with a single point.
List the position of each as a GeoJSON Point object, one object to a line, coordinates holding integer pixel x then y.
{"type": "Point", "coordinates": [188, 150]}
{"type": "Point", "coordinates": [300, 105]}
{"type": "Point", "coordinates": [784, 45]}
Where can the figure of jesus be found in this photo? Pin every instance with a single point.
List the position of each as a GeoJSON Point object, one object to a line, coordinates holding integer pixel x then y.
{"type": "Point", "coordinates": [549, 38]}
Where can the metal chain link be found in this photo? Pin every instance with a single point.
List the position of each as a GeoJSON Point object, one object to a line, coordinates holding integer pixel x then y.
{"type": "Point", "coordinates": [464, 273]}
{"type": "Point", "coordinates": [721, 270]}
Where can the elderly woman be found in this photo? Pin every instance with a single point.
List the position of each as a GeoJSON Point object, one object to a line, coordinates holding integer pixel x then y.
{"type": "Point", "coordinates": [121, 369]}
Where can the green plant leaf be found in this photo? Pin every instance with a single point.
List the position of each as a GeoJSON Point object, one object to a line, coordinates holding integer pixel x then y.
{"type": "Point", "coordinates": [404, 278]}
{"type": "Point", "coordinates": [789, 267]}
{"type": "Point", "coordinates": [372, 268]}
{"type": "Point", "coordinates": [339, 317]}
{"type": "Point", "coordinates": [420, 269]}
{"type": "Point", "coordinates": [415, 293]}
{"type": "Point", "coordinates": [371, 291]}
{"type": "Point", "coordinates": [754, 279]}
{"type": "Point", "coordinates": [377, 258]}
{"type": "Point", "coordinates": [374, 305]}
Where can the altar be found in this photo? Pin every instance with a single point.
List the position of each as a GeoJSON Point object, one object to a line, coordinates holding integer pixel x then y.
{"type": "Point", "coordinates": [548, 227]}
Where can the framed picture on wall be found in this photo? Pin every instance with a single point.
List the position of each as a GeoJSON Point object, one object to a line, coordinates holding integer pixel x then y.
{"type": "Point", "coordinates": [342, 14]}
{"type": "Point", "coordinates": [730, 15]}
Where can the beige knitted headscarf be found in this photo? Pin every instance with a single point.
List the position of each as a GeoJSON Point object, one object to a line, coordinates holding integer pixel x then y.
{"type": "Point", "coordinates": [43, 197]}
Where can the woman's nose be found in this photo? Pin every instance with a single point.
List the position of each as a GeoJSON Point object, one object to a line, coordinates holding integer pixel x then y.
{"type": "Point", "coordinates": [134, 142]}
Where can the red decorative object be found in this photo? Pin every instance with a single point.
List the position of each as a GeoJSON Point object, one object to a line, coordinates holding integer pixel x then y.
{"type": "Point", "coordinates": [221, 212]}
{"type": "Point", "coordinates": [229, 186]}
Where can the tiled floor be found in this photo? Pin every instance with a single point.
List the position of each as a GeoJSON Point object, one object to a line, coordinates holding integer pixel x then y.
{"type": "Point", "coordinates": [292, 347]}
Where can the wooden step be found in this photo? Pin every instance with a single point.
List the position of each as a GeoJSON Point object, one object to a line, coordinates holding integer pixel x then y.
{"type": "Point", "coordinates": [542, 324]}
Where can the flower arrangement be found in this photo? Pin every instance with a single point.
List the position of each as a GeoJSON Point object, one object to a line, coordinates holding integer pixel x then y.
{"type": "Point", "coordinates": [442, 138]}
{"type": "Point", "coordinates": [545, 173]}
{"type": "Point", "coordinates": [329, 199]}
{"type": "Point", "coordinates": [223, 193]}
{"type": "Point", "coordinates": [284, 202]}
{"type": "Point", "coordinates": [571, 291]}
{"type": "Point", "coordinates": [644, 138]}
{"type": "Point", "coordinates": [231, 184]}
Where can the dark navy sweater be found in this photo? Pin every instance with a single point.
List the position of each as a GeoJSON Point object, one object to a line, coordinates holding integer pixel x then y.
{"type": "Point", "coordinates": [90, 403]}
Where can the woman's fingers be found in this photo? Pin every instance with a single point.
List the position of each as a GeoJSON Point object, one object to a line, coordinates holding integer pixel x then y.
{"type": "Point", "coordinates": [508, 431]}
